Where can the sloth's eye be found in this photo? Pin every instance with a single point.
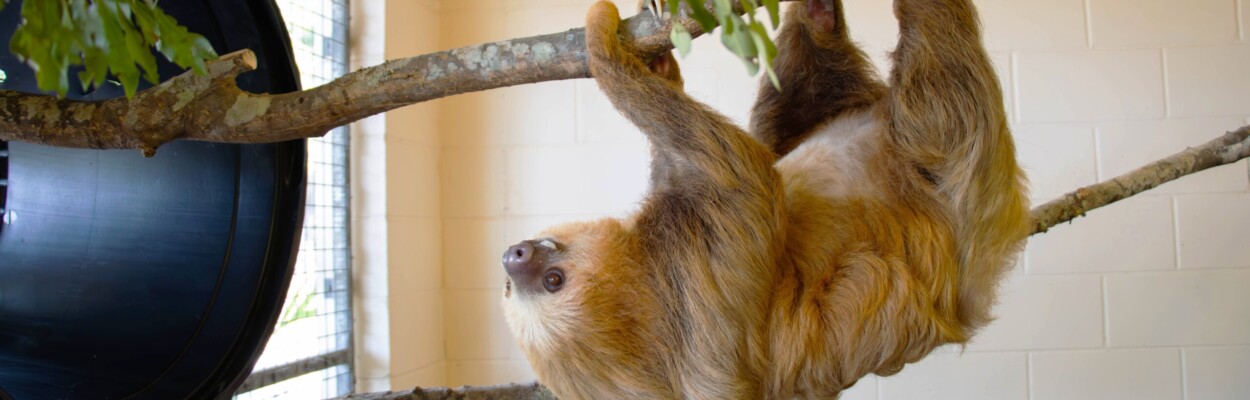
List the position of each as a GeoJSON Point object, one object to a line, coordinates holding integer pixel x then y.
{"type": "Point", "coordinates": [553, 280]}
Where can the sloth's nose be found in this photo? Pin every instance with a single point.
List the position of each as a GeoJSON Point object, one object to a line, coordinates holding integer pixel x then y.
{"type": "Point", "coordinates": [519, 259]}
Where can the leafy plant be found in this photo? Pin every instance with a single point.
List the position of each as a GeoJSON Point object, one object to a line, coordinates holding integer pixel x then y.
{"type": "Point", "coordinates": [110, 39]}
{"type": "Point", "coordinates": [299, 308]}
{"type": "Point", "coordinates": [744, 35]}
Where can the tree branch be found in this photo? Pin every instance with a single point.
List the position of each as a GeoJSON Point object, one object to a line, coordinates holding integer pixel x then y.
{"type": "Point", "coordinates": [212, 108]}
{"type": "Point", "coordinates": [1226, 149]}
{"type": "Point", "coordinates": [153, 117]}
{"type": "Point", "coordinates": [512, 391]}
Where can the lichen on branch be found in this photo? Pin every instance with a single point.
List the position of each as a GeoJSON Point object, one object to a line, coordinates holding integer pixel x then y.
{"type": "Point", "coordinates": [1227, 149]}
{"type": "Point", "coordinates": [212, 108]}
{"type": "Point", "coordinates": [189, 102]}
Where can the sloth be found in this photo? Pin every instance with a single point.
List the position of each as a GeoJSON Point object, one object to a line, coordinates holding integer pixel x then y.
{"type": "Point", "coordinates": [855, 228]}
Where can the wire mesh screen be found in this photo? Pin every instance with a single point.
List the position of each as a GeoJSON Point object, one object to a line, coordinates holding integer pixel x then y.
{"type": "Point", "coordinates": [309, 354]}
{"type": "Point", "coordinates": [4, 180]}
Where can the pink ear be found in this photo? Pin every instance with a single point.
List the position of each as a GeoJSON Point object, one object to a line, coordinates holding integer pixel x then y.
{"type": "Point", "coordinates": [662, 65]}
{"type": "Point", "coordinates": [665, 66]}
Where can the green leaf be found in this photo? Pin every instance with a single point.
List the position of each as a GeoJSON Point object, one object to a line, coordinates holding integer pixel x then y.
{"type": "Point", "coordinates": [769, 53]}
{"type": "Point", "coordinates": [299, 309]}
{"type": "Point", "coordinates": [699, 13]}
{"type": "Point", "coordinates": [743, 46]}
{"type": "Point", "coordinates": [106, 38]}
{"type": "Point", "coordinates": [727, 38]}
{"type": "Point", "coordinates": [749, 5]}
{"type": "Point", "coordinates": [723, 8]}
{"type": "Point", "coordinates": [95, 70]}
{"type": "Point", "coordinates": [746, 37]}
{"type": "Point", "coordinates": [146, 21]}
{"type": "Point", "coordinates": [681, 39]}
{"type": "Point", "coordinates": [774, 12]}
{"type": "Point", "coordinates": [141, 54]}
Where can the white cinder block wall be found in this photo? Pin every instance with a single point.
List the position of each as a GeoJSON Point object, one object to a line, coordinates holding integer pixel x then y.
{"type": "Point", "coordinates": [396, 211]}
{"type": "Point", "coordinates": [1146, 299]}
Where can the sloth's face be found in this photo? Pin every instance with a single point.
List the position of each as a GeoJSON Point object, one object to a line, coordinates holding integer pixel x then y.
{"type": "Point", "coordinates": [552, 282]}
{"type": "Point", "coordinates": [534, 267]}
{"type": "Point", "coordinates": [578, 298]}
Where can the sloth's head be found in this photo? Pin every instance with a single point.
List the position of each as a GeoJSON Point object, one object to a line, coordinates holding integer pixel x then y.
{"type": "Point", "coordinates": [553, 279]}
{"type": "Point", "coordinates": [573, 290]}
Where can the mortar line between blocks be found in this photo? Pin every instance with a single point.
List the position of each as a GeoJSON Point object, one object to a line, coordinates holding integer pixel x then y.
{"type": "Point", "coordinates": [1184, 376]}
{"type": "Point", "coordinates": [1028, 378]}
{"type": "Point", "coordinates": [1098, 153]}
{"type": "Point", "coordinates": [1106, 315]}
{"type": "Point", "coordinates": [1101, 349]}
{"type": "Point", "coordinates": [880, 394]}
{"type": "Point", "coordinates": [1014, 64]}
{"type": "Point", "coordinates": [1236, 346]}
{"type": "Point", "coordinates": [1239, 8]}
{"type": "Point", "coordinates": [1089, 25]}
{"type": "Point", "coordinates": [1137, 272]}
{"type": "Point", "coordinates": [1176, 233]}
{"type": "Point", "coordinates": [1167, 84]}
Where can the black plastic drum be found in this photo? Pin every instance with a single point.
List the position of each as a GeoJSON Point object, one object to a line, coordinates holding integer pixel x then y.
{"type": "Point", "coordinates": [148, 278]}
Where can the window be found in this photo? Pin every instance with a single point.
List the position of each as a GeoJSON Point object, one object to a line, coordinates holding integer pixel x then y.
{"type": "Point", "coordinates": [310, 352]}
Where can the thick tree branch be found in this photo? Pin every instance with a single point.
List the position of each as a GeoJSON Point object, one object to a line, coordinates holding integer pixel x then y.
{"type": "Point", "coordinates": [512, 391]}
{"type": "Point", "coordinates": [153, 117]}
{"type": "Point", "coordinates": [1227, 149]}
{"type": "Point", "coordinates": [212, 108]}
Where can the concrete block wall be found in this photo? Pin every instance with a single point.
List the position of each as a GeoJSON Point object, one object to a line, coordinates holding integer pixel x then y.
{"type": "Point", "coordinates": [1146, 299]}
{"type": "Point", "coordinates": [516, 160]}
{"type": "Point", "coordinates": [397, 212]}
{"type": "Point", "coordinates": [414, 210]}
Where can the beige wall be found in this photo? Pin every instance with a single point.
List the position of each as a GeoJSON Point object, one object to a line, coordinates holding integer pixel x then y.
{"type": "Point", "coordinates": [515, 160]}
{"type": "Point", "coordinates": [1149, 298]}
{"type": "Point", "coordinates": [397, 229]}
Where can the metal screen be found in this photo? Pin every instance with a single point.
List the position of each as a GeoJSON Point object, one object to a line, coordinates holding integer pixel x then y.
{"type": "Point", "coordinates": [309, 354]}
{"type": "Point", "coordinates": [4, 181]}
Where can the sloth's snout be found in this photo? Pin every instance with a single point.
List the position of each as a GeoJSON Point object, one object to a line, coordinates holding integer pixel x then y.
{"type": "Point", "coordinates": [521, 260]}
{"type": "Point", "coordinates": [530, 269]}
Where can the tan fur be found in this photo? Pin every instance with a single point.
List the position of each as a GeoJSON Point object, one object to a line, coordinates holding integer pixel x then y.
{"type": "Point", "coordinates": [857, 228]}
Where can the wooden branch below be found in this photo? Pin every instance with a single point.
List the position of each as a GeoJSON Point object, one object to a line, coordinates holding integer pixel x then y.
{"type": "Point", "coordinates": [512, 391]}
{"type": "Point", "coordinates": [265, 377]}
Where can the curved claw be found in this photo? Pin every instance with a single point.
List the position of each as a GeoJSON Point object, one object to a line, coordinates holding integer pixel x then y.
{"type": "Point", "coordinates": [656, 7]}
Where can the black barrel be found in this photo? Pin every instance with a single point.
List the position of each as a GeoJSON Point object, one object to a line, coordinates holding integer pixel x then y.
{"type": "Point", "coordinates": [123, 277]}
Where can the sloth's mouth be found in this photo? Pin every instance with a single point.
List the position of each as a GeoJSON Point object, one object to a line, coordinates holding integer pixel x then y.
{"type": "Point", "coordinates": [507, 288]}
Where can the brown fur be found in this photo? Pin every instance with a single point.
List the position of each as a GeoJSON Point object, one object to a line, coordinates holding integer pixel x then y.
{"type": "Point", "coordinates": [880, 234]}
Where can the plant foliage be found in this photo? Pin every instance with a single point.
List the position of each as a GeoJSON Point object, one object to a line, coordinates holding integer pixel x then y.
{"type": "Point", "coordinates": [301, 308]}
{"type": "Point", "coordinates": [744, 35]}
{"type": "Point", "coordinates": [110, 39]}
